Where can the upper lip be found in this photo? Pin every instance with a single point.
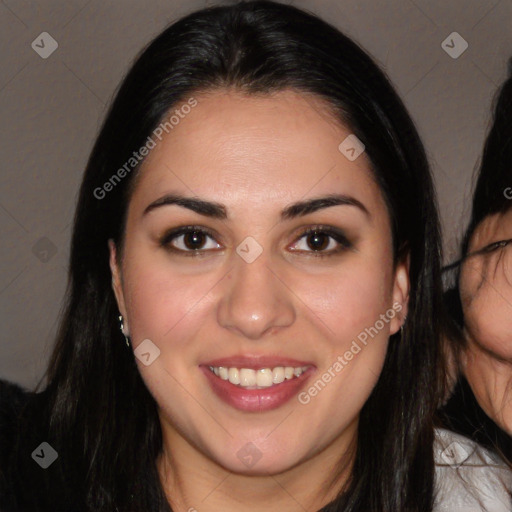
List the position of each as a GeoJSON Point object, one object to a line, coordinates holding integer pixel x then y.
{"type": "Point", "coordinates": [256, 362]}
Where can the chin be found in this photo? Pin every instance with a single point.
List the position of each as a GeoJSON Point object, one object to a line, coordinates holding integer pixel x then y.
{"type": "Point", "coordinates": [242, 456]}
{"type": "Point", "coordinates": [265, 466]}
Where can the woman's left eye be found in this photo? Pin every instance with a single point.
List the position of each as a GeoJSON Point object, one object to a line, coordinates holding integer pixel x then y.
{"type": "Point", "coordinates": [323, 241]}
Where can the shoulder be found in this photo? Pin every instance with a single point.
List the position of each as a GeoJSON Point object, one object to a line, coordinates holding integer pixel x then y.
{"type": "Point", "coordinates": [14, 402]}
{"type": "Point", "coordinates": [29, 480]}
{"type": "Point", "coordinates": [469, 478]}
{"type": "Point", "coordinates": [12, 397]}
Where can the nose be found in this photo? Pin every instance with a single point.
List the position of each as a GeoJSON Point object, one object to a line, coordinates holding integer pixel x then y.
{"type": "Point", "coordinates": [256, 302]}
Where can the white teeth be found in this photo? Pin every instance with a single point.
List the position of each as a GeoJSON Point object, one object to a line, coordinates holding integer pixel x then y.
{"type": "Point", "coordinates": [247, 377]}
{"type": "Point", "coordinates": [261, 378]}
{"type": "Point", "coordinates": [234, 375]}
{"type": "Point", "coordinates": [278, 375]}
{"type": "Point", "coordinates": [264, 378]}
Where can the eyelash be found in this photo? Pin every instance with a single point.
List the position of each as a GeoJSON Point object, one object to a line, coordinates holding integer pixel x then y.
{"type": "Point", "coordinates": [335, 234]}
{"type": "Point", "coordinates": [496, 245]}
{"type": "Point", "coordinates": [501, 244]}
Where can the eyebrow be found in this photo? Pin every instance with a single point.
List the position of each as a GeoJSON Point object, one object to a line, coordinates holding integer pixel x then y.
{"type": "Point", "coordinates": [216, 210]}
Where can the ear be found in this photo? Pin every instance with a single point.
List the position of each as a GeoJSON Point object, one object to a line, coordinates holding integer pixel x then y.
{"type": "Point", "coordinates": [117, 283]}
{"type": "Point", "coordinates": [401, 289]}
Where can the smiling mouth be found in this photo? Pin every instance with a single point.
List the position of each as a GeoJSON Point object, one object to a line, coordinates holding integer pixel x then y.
{"type": "Point", "coordinates": [261, 378]}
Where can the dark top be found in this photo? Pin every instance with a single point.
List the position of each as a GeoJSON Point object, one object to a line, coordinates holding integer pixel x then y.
{"type": "Point", "coordinates": [25, 483]}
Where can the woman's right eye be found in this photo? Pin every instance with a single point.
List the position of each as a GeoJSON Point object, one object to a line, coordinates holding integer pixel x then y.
{"type": "Point", "coordinates": [188, 241]}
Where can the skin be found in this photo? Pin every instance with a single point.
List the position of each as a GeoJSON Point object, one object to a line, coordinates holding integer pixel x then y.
{"type": "Point", "coordinates": [486, 295]}
{"type": "Point", "coordinates": [256, 155]}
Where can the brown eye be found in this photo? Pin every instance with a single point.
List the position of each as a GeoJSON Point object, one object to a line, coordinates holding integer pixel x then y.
{"type": "Point", "coordinates": [318, 241]}
{"type": "Point", "coordinates": [322, 241]}
{"type": "Point", "coordinates": [194, 240]}
{"type": "Point", "coordinates": [189, 241]}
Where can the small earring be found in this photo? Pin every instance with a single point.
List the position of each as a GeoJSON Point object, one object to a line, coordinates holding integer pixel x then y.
{"type": "Point", "coordinates": [121, 326]}
{"type": "Point", "coordinates": [402, 327]}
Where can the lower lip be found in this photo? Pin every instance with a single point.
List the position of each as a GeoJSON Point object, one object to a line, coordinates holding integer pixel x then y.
{"type": "Point", "coordinates": [256, 400]}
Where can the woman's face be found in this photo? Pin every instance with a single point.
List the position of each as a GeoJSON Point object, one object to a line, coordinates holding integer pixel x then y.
{"type": "Point", "coordinates": [249, 292]}
{"type": "Point", "coordinates": [486, 296]}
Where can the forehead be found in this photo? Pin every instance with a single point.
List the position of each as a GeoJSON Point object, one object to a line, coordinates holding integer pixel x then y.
{"type": "Point", "coordinates": [255, 149]}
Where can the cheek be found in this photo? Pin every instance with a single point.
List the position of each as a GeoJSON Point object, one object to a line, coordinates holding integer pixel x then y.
{"type": "Point", "coordinates": [350, 299]}
{"type": "Point", "coordinates": [470, 280]}
{"type": "Point", "coordinates": [348, 306]}
{"type": "Point", "coordinates": [489, 321]}
{"type": "Point", "coordinates": [487, 307]}
{"type": "Point", "coordinates": [164, 305]}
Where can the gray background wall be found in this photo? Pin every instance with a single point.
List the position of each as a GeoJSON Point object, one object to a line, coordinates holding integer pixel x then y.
{"type": "Point", "coordinates": [51, 110]}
